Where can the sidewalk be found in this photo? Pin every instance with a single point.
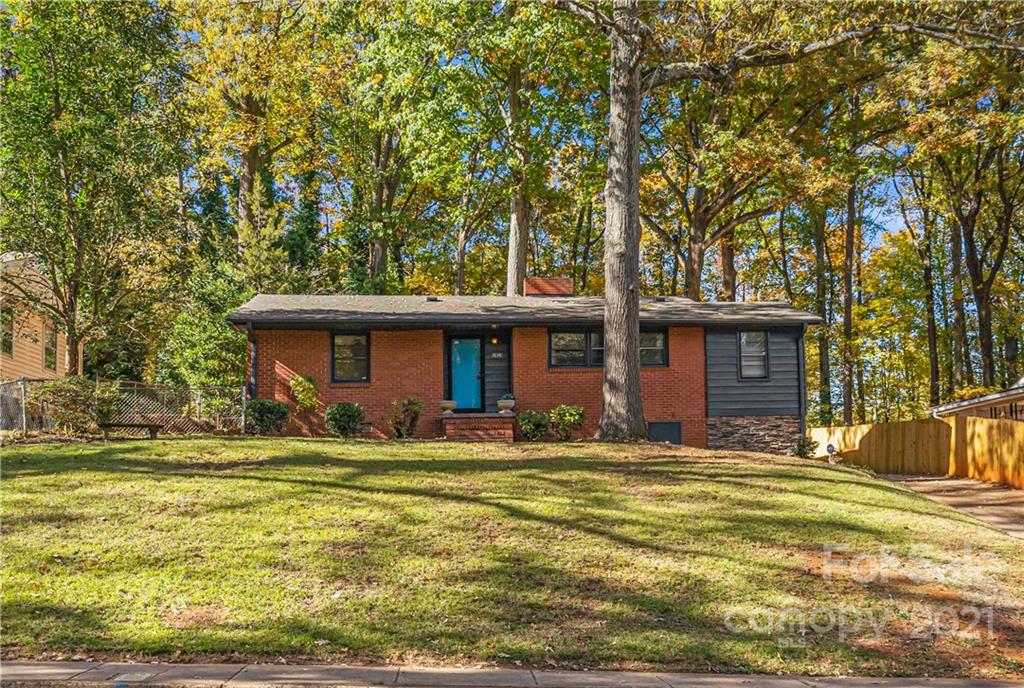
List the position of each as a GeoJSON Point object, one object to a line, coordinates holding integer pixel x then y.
{"type": "Point", "coordinates": [37, 674]}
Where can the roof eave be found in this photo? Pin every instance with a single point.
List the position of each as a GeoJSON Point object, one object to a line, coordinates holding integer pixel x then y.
{"type": "Point", "coordinates": [323, 323]}
{"type": "Point", "coordinates": [977, 401]}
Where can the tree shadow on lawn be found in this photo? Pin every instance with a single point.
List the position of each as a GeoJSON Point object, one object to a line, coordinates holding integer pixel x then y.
{"type": "Point", "coordinates": [529, 603]}
{"type": "Point", "coordinates": [594, 493]}
{"type": "Point", "coordinates": [51, 625]}
{"type": "Point", "coordinates": [531, 611]}
{"type": "Point", "coordinates": [764, 525]}
{"type": "Point", "coordinates": [759, 517]}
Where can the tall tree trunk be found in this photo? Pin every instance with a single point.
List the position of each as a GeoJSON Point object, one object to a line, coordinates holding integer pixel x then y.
{"type": "Point", "coordinates": [1011, 352]}
{"type": "Point", "coordinates": [398, 260]}
{"type": "Point", "coordinates": [983, 306]}
{"type": "Point", "coordinates": [821, 301]}
{"type": "Point", "coordinates": [929, 304]}
{"type": "Point", "coordinates": [948, 336]}
{"type": "Point", "coordinates": [519, 215]}
{"type": "Point", "coordinates": [848, 266]}
{"type": "Point", "coordinates": [247, 172]}
{"type": "Point", "coordinates": [961, 344]}
{"type": "Point", "coordinates": [675, 262]}
{"type": "Point", "coordinates": [73, 364]}
{"type": "Point", "coordinates": [518, 241]}
{"type": "Point", "coordinates": [582, 288]}
{"type": "Point", "coordinates": [384, 190]}
{"type": "Point", "coordinates": [378, 260]}
{"type": "Point", "coordinates": [693, 267]}
{"type": "Point", "coordinates": [251, 160]}
{"type": "Point", "coordinates": [862, 415]}
{"type": "Point", "coordinates": [622, 415]}
{"type": "Point", "coordinates": [727, 263]}
{"type": "Point", "coordinates": [787, 282]}
{"type": "Point", "coordinates": [460, 249]}
{"type": "Point", "coordinates": [460, 261]}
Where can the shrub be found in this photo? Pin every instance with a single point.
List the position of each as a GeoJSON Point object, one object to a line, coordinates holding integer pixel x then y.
{"type": "Point", "coordinates": [533, 425]}
{"type": "Point", "coordinates": [304, 392]}
{"type": "Point", "coordinates": [266, 416]}
{"type": "Point", "coordinates": [405, 413]}
{"type": "Point", "coordinates": [566, 418]}
{"type": "Point", "coordinates": [75, 404]}
{"type": "Point", "coordinates": [344, 419]}
{"type": "Point", "coordinates": [805, 447]}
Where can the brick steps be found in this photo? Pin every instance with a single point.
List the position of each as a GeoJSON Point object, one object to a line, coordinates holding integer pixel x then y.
{"type": "Point", "coordinates": [479, 427]}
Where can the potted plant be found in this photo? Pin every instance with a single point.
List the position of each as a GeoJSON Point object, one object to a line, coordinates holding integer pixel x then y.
{"type": "Point", "coordinates": [506, 403]}
{"type": "Point", "coordinates": [447, 407]}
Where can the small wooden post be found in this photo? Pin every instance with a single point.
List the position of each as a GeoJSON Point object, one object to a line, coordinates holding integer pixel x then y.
{"type": "Point", "coordinates": [245, 396]}
{"type": "Point", "coordinates": [24, 404]}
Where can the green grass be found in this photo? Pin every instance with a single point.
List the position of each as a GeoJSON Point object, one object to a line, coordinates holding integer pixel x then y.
{"type": "Point", "coordinates": [578, 555]}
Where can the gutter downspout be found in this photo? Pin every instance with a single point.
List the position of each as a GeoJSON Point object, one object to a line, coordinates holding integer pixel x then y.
{"type": "Point", "coordinates": [802, 372]}
{"type": "Point", "coordinates": [249, 387]}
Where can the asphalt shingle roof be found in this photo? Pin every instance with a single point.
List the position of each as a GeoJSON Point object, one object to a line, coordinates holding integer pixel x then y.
{"type": "Point", "coordinates": [324, 311]}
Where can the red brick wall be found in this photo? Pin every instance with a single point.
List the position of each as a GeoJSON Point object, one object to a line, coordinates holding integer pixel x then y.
{"type": "Point", "coordinates": [410, 363]}
{"type": "Point", "coordinates": [402, 363]}
{"type": "Point", "coordinates": [675, 392]}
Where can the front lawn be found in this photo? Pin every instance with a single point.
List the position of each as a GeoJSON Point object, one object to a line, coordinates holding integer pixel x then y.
{"type": "Point", "coordinates": [578, 555]}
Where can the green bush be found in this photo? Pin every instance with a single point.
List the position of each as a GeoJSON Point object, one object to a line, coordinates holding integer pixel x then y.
{"type": "Point", "coordinates": [805, 447]}
{"type": "Point", "coordinates": [344, 419]}
{"type": "Point", "coordinates": [565, 419]}
{"type": "Point", "coordinates": [75, 404]}
{"type": "Point", "coordinates": [304, 392]}
{"type": "Point", "coordinates": [266, 416]}
{"type": "Point", "coordinates": [533, 425]}
{"type": "Point", "coordinates": [405, 413]}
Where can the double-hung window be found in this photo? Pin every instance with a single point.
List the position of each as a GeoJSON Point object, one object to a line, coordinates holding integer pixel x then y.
{"type": "Point", "coordinates": [653, 350]}
{"type": "Point", "coordinates": [582, 349]}
{"type": "Point", "coordinates": [753, 354]}
{"type": "Point", "coordinates": [50, 346]}
{"type": "Point", "coordinates": [569, 349]}
{"type": "Point", "coordinates": [7, 329]}
{"type": "Point", "coordinates": [350, 358]}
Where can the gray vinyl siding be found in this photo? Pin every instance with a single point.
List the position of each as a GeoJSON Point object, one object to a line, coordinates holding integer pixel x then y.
{"type": "Point", "coordinates": [496, 375]}
{"type": "Point", "coordinates": [780, 394]}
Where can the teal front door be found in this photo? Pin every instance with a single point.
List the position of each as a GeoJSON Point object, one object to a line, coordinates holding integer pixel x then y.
{"type": "Point", "coordinates": [465, 372]}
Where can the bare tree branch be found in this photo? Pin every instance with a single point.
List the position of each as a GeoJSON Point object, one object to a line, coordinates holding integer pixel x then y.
{"type": "Point", "coordinates": [770, 55]}
{"type": "Point", "coordinates": [588, 12]}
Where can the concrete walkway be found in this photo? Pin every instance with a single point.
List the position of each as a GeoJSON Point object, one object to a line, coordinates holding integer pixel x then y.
{"type": "Point", "coordinates": [997, 505]}
{"type": "Point", "coordinates": [38, 674]}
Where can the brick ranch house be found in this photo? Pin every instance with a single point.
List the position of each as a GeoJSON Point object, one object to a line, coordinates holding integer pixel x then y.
{"type": "Point", "coordinates": [717, 375]}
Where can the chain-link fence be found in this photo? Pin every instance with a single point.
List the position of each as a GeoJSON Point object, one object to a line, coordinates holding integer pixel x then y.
{"type": "Point", "coordinates": [177, 410]}
{"type": "Point", "coordinates": [15, 414]}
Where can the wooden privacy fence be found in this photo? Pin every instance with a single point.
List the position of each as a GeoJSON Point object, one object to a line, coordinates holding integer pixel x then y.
{"type": "Point", "coordinates": [962, 446]}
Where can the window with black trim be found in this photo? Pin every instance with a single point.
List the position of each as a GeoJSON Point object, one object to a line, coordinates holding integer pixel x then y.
{"type": "Point", "coordinates": [653, 349]}
{"type": "Point", "coordinates": [754, 354]}
{"type": "Point", "coordinates": [569, 349]}
{"type": "Point", "coordinates": [49, 346]}
{"type": "Point", "coordinates": [350, 358]}
{"type": "Point", "coordinates": [7, 329]}
{"type": "Point", "coordinates": [586, 349]}
{"type": "Point", "coordinates": [597, 349]}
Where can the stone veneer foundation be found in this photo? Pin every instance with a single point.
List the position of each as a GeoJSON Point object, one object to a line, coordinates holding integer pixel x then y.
{"type": "Point", "coordinates": [771, 434]}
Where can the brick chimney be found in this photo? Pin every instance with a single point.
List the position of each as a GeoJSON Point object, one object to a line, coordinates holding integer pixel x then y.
{"type": "Point", "coordinates": [547, 286]}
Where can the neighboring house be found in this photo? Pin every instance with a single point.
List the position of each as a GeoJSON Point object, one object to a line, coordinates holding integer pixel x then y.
{"type": "Point", "coordinates": [724, 375]}
{"type": "Point", "coordinates": [1008, 403]}
{"type": "Point", "coordinates": [30, 344]}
